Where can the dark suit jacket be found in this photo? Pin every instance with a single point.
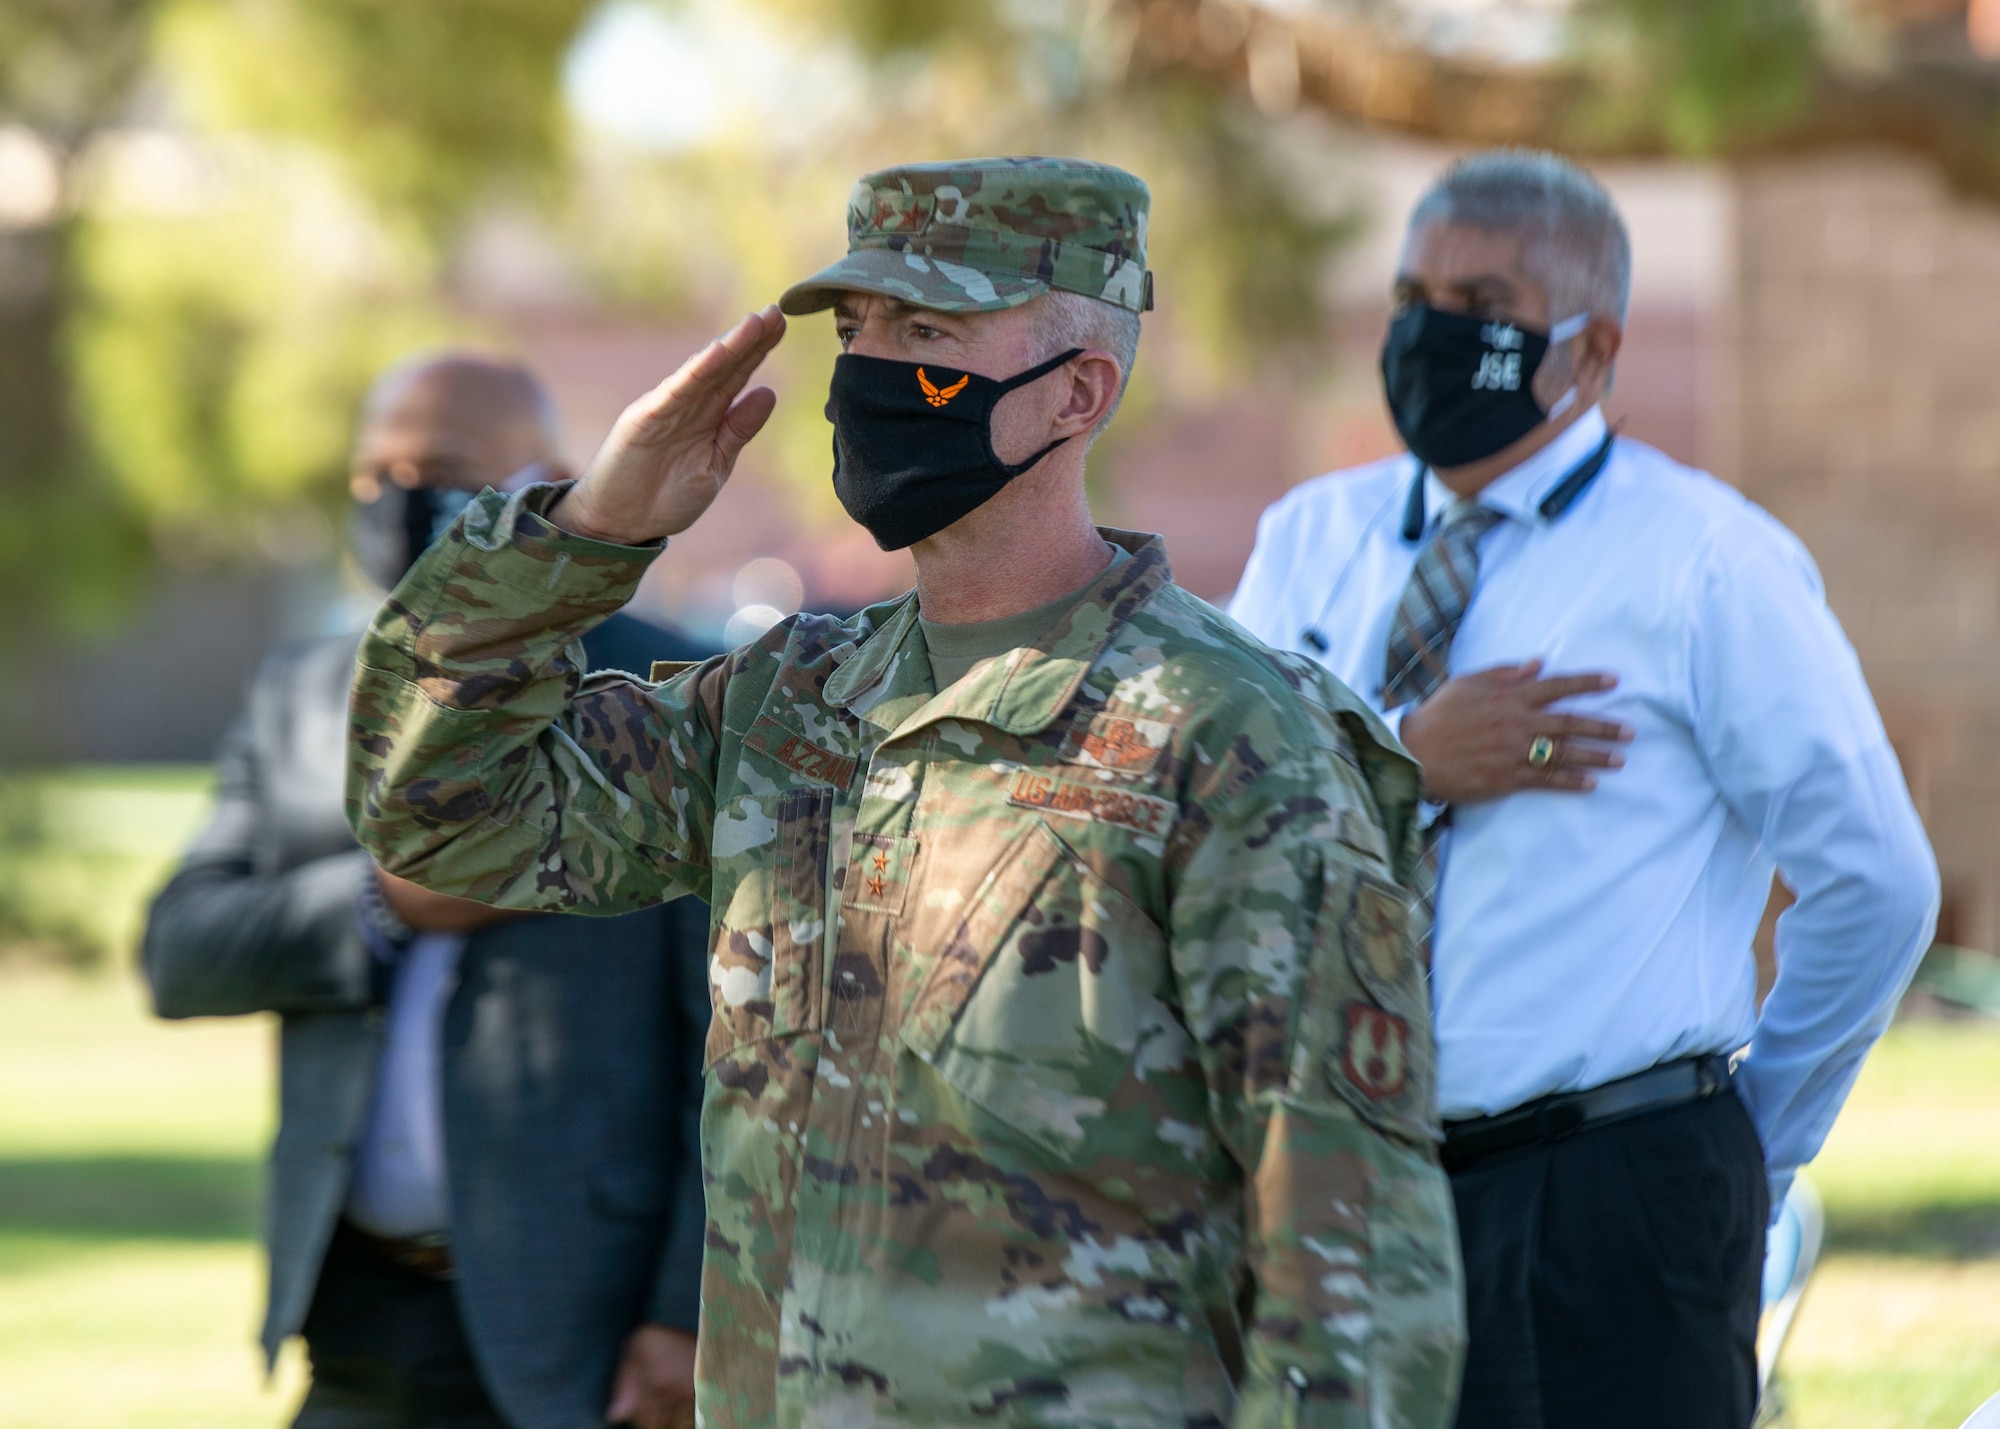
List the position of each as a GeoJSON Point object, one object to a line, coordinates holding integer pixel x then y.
{"type": "Point", "coordinates": [571, 1058]}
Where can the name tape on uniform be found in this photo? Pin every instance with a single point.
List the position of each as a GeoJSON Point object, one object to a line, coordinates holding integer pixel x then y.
{"type": "Point", "coordinates": [1139, 812]}
{"type": "Point", "coordinates": [799, 754]}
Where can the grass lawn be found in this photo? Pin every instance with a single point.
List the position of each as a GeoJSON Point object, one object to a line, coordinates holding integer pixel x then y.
{"type": "Point", "coordinates": [1901, 1328]}
{"type": "Point", "coordinates": [130, 1280]}
{"type": "Point", "coordinates": [130, 1152]}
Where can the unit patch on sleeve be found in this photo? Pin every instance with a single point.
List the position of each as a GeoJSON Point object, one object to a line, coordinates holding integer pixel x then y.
{"type": "Point", "coordinates": [1374, 1050]}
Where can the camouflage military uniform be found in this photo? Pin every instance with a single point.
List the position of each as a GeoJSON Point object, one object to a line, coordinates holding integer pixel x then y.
{"type": "Point", "coordinates": [1071, 1064]}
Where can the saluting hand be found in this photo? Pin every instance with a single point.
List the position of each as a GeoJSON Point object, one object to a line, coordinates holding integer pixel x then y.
{"type": "Point", "coordinates": [1474, 734]}
{"type": "Point", "coordinates": [671, 451]}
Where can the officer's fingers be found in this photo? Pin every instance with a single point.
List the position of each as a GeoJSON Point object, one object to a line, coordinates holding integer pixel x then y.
{"type": "Point", "coordinates": [1561, 780]}
{"type": "Point", "coordinates": [1562, 687]}
{"type": "Point", "coordinates": [751, 341]}
{"type": "Point", "coordinates": [744, 419]}
{"type": "Point", "coordinates": [1583, 727]}
{"type": "Point", "coordinates": [706, 383]}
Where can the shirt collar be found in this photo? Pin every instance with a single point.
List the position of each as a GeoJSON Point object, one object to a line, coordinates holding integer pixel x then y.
{"type": "Point", "coordinates": [1021, 692]}
{"type": "Point", "coordinates": [1519, 492]}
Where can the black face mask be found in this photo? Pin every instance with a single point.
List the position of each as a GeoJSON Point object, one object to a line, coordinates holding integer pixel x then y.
{"type": "Point", "coordinates": [1461, 388]}
{"type": "Point", "coordinates": [913, 444]}
{"type": "Point", "coordinates": [390, 532]}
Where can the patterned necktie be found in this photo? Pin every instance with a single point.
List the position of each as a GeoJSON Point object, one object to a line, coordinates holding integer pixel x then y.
{"type": "Point", "coordinates": [1419, 657]}
{"type": "Point", "coordinates": [1433, 605]}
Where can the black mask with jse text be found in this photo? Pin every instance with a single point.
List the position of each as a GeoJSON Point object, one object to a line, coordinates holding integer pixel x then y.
{"type": "Point", "coordinates": [913, 443]}
{"type": "Point", "coordinates": [1462, 388]}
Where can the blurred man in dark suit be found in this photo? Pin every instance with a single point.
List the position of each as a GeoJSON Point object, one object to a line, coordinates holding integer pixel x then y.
{"type": "Point", "coordinates": [485, 1195]}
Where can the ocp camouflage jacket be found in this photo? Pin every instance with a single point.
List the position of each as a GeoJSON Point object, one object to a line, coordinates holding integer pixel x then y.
{"type": "Point", "coordinates": [1071, 1062]}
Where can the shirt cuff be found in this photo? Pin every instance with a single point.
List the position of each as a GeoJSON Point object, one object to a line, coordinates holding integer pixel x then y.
{"type": "Point", "coordinates": [538, 540]}
{"type": "Point", "coordinates": [385, 934]}
{"type": "Point", "coordinates": [508, 541]}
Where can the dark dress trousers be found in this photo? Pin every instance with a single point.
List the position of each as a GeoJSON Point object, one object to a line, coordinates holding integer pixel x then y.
{"type": "Point", "coordinates": [571, 1056]}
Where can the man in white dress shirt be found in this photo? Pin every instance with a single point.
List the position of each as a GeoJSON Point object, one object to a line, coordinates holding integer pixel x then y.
{"type": "Point", "coordinates": [1605, 836]}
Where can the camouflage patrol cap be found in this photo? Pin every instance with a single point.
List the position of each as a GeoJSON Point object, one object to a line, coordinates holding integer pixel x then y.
{"type": "Point", "coordinates": [977, 235]}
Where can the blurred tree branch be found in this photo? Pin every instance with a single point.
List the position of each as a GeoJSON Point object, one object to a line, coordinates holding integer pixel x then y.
{"type": "Point", "coordinates": [67, 67]}
{"type": "Point", "coordinates": [1727, 78]}
{"type": "Point", "coordinates": [426, 106]}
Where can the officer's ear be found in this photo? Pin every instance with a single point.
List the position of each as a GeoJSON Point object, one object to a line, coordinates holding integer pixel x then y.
{"type": "Point", "coordinates": [1095, 378]}
{"type": "Point", "coordinates": [1594, 357]}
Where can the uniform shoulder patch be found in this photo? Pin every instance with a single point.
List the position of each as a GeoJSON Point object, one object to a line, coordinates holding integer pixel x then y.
{"type": "Point", "coordinates": [1374, 1051]}
{"type": "Point", "coordinates": [1378, 940]}
{"type": "Point", "coordinates": [1365, 1024]}
{"type": "Point", "coordinates": [664, 670]}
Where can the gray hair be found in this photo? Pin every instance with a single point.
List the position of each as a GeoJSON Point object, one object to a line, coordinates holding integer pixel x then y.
{"type": "Point", "coordinates": [1064, 320]}
{"type": "Point", "coordinates": [1573, 241]}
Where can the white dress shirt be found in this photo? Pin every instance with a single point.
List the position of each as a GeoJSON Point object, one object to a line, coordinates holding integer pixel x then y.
{"type": "Point", "coordinates": [399, 1187]}
{"type": "Point", "coordinates": [1584, 937]}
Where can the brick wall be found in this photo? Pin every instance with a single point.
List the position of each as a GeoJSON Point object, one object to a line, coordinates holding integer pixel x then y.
{"type": "Point", "coordinates": [1867, 418]}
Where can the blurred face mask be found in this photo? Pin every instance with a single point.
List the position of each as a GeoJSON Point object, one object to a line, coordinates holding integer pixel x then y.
{"type": "Point", "coordinates": [1462, 388]}
{"type": "Point", "coordinates": [390, 532]}
{"type": "Point", "coordinates": [913, 444]}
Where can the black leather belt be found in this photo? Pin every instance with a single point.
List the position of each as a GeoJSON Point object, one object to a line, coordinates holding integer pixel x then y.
{"type": "Point", "coordinates": [427, 1255]}
{"type": "Point", "coordinates": [1551, 1118]}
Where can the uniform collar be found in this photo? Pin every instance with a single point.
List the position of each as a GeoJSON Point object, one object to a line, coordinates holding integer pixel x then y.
{"type": "Point", "coordinates": [888, 680]}
{"type": "Point", "coordinates": [1519, 492]}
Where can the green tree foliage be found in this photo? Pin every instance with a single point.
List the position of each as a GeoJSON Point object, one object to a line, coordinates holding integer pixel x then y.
{"type": "Point", "coordinates": [1246, 214]}
{"type": "Point", "coordinates": [1695, 76]}
{"type": "Point", "coordinates": [259, 200]}
{"type": "Point", "coordinates": [66, 66]}
{"type": "Point", "coordinates": [426, 107]}
{"type": "Point", "coordinates": [224, 338]}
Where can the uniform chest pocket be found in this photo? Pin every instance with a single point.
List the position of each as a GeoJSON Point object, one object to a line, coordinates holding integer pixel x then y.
{"type": "Point", "coordinates": [1049, 1004]}
{"type": "Point", "coordinates": [1365, 1026]}
{"type": "Point", "coordinates": [764, 970]}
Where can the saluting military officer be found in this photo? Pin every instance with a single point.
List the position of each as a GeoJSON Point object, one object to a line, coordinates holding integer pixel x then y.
{"type": "Point", "coordinates": [1070, 1062]}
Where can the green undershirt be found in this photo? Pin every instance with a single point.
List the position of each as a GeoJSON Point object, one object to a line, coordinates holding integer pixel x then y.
{"type": "Point", "coordinates": [955, 649]}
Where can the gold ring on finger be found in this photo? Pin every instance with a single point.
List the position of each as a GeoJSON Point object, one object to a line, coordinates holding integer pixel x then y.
{"type": "Point", "coordinates": [1541, 752]}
